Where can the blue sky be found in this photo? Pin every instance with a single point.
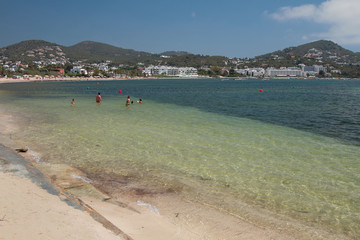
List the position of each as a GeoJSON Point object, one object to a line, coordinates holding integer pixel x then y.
{"type": "Point", "coordinates": [243, 28]}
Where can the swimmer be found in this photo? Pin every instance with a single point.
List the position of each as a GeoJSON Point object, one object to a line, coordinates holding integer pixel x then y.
{"type": "Point", "coordinates": [127, 101]}
{"type": "Point", "coordinates": [140, 100]}
{"type": "Point", "coordinates": [73, 101]}
{"type": "Point", "coordinates": [98, 98]}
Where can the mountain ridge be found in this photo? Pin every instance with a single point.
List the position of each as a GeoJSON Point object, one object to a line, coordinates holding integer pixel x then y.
{"type": "Point", "coordinates": [97, 51]}
{"type": "Point", "coordinates": [327, 47]}
{"type": "Point", "coordinates": [91, 51]}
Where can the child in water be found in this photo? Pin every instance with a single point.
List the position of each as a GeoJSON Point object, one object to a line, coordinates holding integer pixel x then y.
{"type": "Point", "coordinates": [73, 101]}
{"type": "Point", "coordinates": [127, 101]}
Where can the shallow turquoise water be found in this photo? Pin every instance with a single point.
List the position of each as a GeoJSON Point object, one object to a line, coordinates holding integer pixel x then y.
{"type": "Point", "coordinates": [192, 136]}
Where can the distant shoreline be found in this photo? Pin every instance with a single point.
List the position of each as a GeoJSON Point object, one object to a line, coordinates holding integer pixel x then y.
{"type": "Point", "coordinates": [60, 79]}
{"type": "Point", "coordinates": [56, 79]}
{"type": "Point", "coordinates": [47, 79]}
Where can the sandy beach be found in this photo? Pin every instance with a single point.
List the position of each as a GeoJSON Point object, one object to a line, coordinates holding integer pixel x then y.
{"type": "Point", "coordinates": [52, 78]}
{"type": "Point", "coordinates": [68, 206]}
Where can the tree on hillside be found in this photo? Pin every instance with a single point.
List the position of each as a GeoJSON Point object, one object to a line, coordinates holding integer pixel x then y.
{"type": "Point", "coordinates": [68, 66]}
{"type": "Point", "coordinates": [96, 72]}
{"type": "Point", "coordinates": [215, 71]}
{"type": "Point", "coordinates": [32, 66]}
{"type": "Point", "coordinates": [202, 72]}
{"type": "Point", "coordinates": [2, 71]}
{"type": "Point", "coordinates": [232, 73]}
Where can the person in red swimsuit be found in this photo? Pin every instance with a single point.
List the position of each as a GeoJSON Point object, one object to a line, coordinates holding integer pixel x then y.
{"type": "Point", "coordinates": [98, 98]}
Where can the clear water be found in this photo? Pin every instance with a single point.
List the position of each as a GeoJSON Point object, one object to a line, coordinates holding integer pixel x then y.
{"type": "Point", "coordinates": [292, 149]}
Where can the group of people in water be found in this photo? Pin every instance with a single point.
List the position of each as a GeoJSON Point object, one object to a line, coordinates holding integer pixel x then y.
{"type": "Point", "coordinates": [128, 101]}
{"type": "Point", "coordinates": [98, 100]}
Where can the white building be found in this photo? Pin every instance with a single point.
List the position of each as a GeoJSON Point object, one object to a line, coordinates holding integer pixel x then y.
{"type": "Point", "coordinates": [171, 71]}
{"type": "Point", "coordinates": [103, 67]}
{"type": "Point", "coordinates": [253, 72]}
{"type": "Point", "coordinates": [313, 70]}
{"type": "Point", "coordinates": [187, 72]}
{"type": "Point", "coordinates": [284, 72]}
{"type": "Point", "coordinates": [79, 69]}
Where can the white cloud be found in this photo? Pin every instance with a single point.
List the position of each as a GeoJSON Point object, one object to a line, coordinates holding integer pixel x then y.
{"type": "Point", "coordinates": [305, 38]}
{"type": "Point", "coordinates": [341, 16]}
{"type": "Point", "coordinates": [286, 13]}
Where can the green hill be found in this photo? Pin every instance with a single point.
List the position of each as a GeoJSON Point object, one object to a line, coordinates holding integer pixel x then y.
{"type": "Point", "coordinates": [20, 51]}
{"type": "Point", "coordinates": [322, 48]}
{"type": "Point", "coordinates": [95, 51]}
{"type": "Point", "coordinates": [322, 45]}
{"type": "Point", "coordinates": [89, 51]}
{"type": "Point", "coordinates": [174, 53]}
{"type": "Point", "coordinates": [197, 61]}
{"type": "Point", "coordinates": [38, 50]}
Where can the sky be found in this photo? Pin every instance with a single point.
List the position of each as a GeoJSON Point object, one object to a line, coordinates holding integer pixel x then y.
{"type": "Point", "coordinates": [232, 28]}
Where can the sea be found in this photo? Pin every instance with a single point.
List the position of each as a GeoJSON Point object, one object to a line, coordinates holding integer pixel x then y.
{"type": "Point", "coordinates": [260, 149]}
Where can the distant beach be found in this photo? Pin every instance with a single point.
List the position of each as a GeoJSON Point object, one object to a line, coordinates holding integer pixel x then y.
{"type": "Point", "coordinates": [22, 79]}
{"type": "Point", "coordinates": [53, 78]}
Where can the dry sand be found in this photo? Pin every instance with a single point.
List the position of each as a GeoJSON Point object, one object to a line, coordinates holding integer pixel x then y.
{"type": "Point", "coordinates": [27, 211]}
{"type": "Point", "coordinates": [41, 79]}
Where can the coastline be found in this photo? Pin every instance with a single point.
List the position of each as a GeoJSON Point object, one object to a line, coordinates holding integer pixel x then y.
{"type": "Point", "coordinates": [69, 79]}
{"type": "Point", "coordinates": [134, 214]}
{"type": "Point", "coordinates": [60, 79]}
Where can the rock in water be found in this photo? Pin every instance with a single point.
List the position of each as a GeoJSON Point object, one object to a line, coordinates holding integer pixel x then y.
{"type": "Point", "coordinates": [23, 149]}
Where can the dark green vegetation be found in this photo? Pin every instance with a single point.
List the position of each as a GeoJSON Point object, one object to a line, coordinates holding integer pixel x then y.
{"type": "Point", "coordinates": [174, 53]}
{"type": "Point", "coordinates": [87, 51]}
{"type": "Point", "coordinates": [91, 52]}
{"type": "Point", "coordinates": [197, 61]}
{"type": "Point", "coordinates": [95, 52]}
{"type": "Point", "coordinates": [328, 48]}
{"type": "Point", "coordinates": [20, 51]}
{"type": "Point", "coordinates": [322, 52]}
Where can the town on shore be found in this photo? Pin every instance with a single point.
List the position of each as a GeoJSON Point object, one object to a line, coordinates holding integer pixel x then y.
{"type": "Point", "coordinates": [103, 70]}
{"type": "Point", "coordinates": [51, 62]}
{"type": "Point", "coordinates": [81, 72]}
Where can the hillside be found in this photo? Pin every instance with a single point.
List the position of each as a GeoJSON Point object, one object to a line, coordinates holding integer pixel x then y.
{"type": "Point", "coordinates": [197, 61]}
{"type": "Point", "coordinates": [174, 53]}
{"type": "Point", "coordinates": [38, 50]}
{"type": "Point", "coordinates": [30, 50]}
{"type": "Point", "coordinates": [94, 51]}
{"type": "Point", "coordinates": [323, 49]}
{"type": "Point", "coordinates": [319, 52]}
{"type": "Point", "coordinates": [89, 51]}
